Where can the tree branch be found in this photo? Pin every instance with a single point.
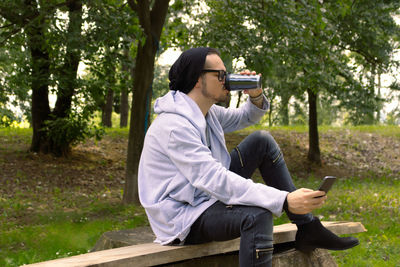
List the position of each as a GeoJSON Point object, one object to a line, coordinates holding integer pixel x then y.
{"type": "Point", "coordinates": [15, 31]}
{"type": "Point", "coordinates": [6, 26]}
{"type": "Point", "coordinates": [143, 12]}
{"type": "Point", "coordinates": [157, 15]}
{"type": "Point", "coordinates": [25, 20]}
{"type": "Point", "coordinates": [368, 58]}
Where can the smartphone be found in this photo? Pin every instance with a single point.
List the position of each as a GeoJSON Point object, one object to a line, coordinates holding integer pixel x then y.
{"type": "Point", "coordinates": [327, 183]}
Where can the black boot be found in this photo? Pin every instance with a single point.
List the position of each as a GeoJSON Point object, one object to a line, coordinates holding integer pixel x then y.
{"type": "Point", "coordinates": [314, 235]}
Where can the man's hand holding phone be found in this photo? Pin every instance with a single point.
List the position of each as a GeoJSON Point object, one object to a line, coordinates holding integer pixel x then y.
{"type": "Point", "coordinates": [305, 200]}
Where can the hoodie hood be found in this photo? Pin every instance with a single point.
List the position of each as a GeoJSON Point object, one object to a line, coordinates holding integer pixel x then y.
{"type": "Point", "coordinates": [179, 103]}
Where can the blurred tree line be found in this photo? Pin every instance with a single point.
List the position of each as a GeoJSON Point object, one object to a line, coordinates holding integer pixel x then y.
{"type": "Point", "coordinates": [318, 59]}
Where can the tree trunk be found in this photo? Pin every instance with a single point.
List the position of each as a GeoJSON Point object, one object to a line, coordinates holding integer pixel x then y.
{"type": "Point", "coordinates": [107, 110]}
{"type": "Point", "coordinates": [379, 94]}
{"type": "Point", "coordinates": [138, 120]}
{"type": "Point", "coordinates": [40, 78]}
{"type": "Point", "coordinates": [124, 105]}
{"type": "Point", "coordinates": [370, 118]}
{"type": "Point", "coordinates": [34, 26]}
{"type": "Point", "coordinates": [270, 110]}
{"type": "Point", "coordinates": [314, 153]}
{"type": "Point", "coordinates": [284, 112]}
{"type": "Point", "coordinates": [69, 70]}
{"type": "Point", "coordinates": [124, 108]}
{"type": "Point", "coordinates": [152, 23]}
{"type": "Point", "coordinates": [68, 77]}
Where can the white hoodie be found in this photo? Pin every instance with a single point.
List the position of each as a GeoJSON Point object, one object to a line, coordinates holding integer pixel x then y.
{"type": "Point", "coordinates": [180, 177]}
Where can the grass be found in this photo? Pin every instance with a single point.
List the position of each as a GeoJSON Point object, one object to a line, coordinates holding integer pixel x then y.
{"type": "Point", "coordinates": [387, 130]}
{"type": "Point", "coordinates": [375, 203]}
{"type": "Point", "coordinates": [55, 234]}
{"type": "Point", "coordinates": [372, 201]}
{"type": "Point", "coordinates": [41, 222]}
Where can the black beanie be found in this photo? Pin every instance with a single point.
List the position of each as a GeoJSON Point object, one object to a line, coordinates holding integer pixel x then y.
{"type": "Point", "coordinates": [186, 70]}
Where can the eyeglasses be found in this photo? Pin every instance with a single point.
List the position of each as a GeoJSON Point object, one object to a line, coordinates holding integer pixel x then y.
{"type": "Point", "coordinates": [221, 74]}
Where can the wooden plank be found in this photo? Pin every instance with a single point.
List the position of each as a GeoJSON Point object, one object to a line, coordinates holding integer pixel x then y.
{"type": "Point", "coordinates": [143, 255]}
{"type": "Point", "coordinates": [154, 254]}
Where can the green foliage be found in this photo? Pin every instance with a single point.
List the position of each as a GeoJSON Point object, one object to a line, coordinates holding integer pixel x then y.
{"type": "Point", "coordinates": [96, 37]}
{"type": "Point", "coordinates": [300, 115]}
{"type": "Point", "coordinates": [300, 45]}
{"type": "Point", "coordinates": [393, 117]}
{"type": "Point", "coordinates": [14, 73]}
{"type": "Point", "coordinates": [6, 117]}
{"type": "Point", "coordinates": [328, 112]}
{"type": "Point", "coordinates": [113, 28]}
{"type": "Point", "coordinates": [160, 81]}
{"type": "Point", "coordinates": [295, 45]}
{"type": "Point", "coordinates": [176, 32]}
{"type": "Point", "coordinates": [71, 130]}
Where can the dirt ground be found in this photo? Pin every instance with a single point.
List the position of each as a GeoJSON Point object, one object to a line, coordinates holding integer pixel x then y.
{"type": "Point", "coordinates": [100, 167]}
{"type": "Point", "coordinates": [343, 153]}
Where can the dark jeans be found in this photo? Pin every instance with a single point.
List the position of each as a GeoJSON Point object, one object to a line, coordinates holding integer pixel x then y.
{"type": "Point", "coordinates": [253, 224]}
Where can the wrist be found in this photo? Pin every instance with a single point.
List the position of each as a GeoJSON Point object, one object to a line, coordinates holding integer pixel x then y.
{"type": "Point", "coordinates": [257, 98]}
{"type": "Point", "coordinates": [285, 204]}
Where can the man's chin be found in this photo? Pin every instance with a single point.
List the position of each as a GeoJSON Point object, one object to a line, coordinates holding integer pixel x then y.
{"type": "Point", "coordinates": [223, 99]}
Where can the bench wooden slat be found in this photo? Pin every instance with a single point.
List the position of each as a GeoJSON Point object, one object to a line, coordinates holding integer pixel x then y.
{"type": "Point", "coordinates": [154, 254]}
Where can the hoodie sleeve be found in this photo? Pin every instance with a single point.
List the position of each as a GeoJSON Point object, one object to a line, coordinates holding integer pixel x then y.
{"type": "Point", "coordinates": [193, 159]}
{"type": "Point", "coordinates": [233, 119]}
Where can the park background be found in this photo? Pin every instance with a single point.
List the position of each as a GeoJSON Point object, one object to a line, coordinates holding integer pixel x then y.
{"type": "Point", "coordinates": [77, 83]}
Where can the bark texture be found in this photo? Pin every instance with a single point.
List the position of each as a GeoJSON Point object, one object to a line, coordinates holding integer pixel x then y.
{"type": "Point", "coordinates": [107, 109]}
{"type": "Point", "coordinates": [151, 20]}
{"type": "Point", "coordinates": [124, 104]}
{"type": "Point", "coordinates": [314, 153]}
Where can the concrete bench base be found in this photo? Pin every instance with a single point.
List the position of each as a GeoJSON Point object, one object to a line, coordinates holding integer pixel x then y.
{"type": "Point", "coordinates": [292, 258]}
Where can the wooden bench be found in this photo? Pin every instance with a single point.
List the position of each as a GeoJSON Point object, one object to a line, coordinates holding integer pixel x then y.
{"type": "Point", "coordinates": [209, 254]}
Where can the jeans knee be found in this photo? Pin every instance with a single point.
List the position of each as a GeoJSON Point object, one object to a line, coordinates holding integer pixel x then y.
{"type": "Point", "coordinates": [268, 144]}
{"type": "Point", "coordinates": [261, 221]}
{"type": "Point", "coordinates": [266, 222]}
{"type": "Point", "coordinates": [256, 244]}
{"type": "Point", "coordinates": [264, 138]}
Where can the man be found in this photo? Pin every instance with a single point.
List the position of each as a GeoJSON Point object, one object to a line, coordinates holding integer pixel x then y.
{"type": "Point", "coordinates": [194, 191]}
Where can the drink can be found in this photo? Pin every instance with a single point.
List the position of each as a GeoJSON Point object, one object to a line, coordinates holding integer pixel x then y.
{"type": "Point", "coordinates": [238, 82]}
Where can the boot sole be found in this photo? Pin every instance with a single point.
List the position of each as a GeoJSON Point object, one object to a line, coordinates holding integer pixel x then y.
{"type": "Point", "coordinates": [309, 249]}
